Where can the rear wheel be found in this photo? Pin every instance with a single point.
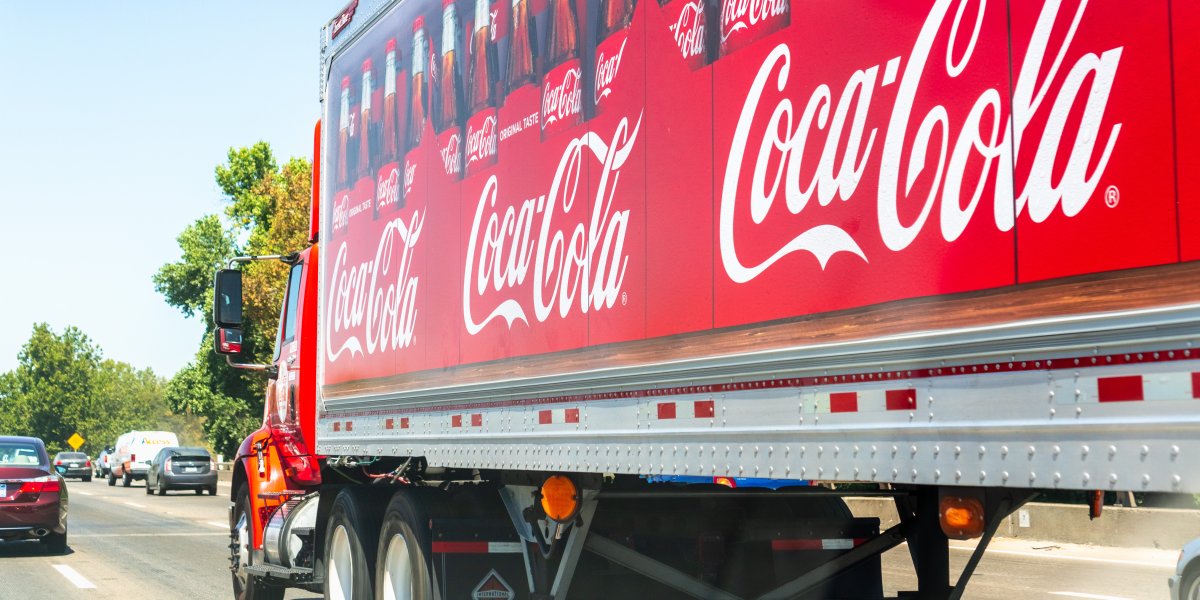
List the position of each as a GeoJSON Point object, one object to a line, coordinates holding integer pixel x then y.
{"type": "Point", "coordinates": [126, 479]}
{"type": "Point", "coordinates": [56, 543]}
{"type": "Point", "coordinates": [112, 479]}
{"type": "Point", "coordinates": [87, 478]}
{"type": "Point", "coordinates": [149, 490]}
{"type": "Point", "coordinates": [403, 569]}
{"type": "Point", "coordinates": [212, 491]}
{"type": "Point", "coordinates": [246, 587]}
{"type": "Point", "coordinates": [351, 540]}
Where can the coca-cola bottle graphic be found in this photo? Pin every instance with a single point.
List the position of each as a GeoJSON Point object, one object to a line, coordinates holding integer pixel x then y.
{"type": "Point", "coordinates": [613, 35]}
{"type": "Point", "coordinates": [364, 123]}
{"type": "Point", "coordinates": [482, 123]}
{"type": "Point", "coordinates": [418, 93]}
{"type": "Point", "coordinates": [744, 21]}
{"type": "Point", "coordinates": [688, 21]}
{"type": "Point", "coordinates": [521, 54]}
{"type": "Point", "coordinates": [391, 140]}
{"type": "Point", "coordinates": [342, 173]}
{"type": "Point", "coordinates": [562, 89]}
{"type": "Point", "coordinates": [451, 100]}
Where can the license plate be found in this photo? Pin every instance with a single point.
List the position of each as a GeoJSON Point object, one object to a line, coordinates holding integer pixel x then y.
{"type": "Point", "coordinates": [74, 465]}
{"type": "Point", "coordinates": [191, 469]}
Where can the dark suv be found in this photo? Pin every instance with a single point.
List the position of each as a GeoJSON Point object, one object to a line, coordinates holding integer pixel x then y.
{"type": "Point", "coordinates": [176, 467]}
{"type": "Point", "coordinates": [33, 497]}
{"type": "Point", "coordinates": [73, 464]}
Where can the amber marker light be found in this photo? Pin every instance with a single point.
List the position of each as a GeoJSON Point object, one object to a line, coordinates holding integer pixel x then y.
{"type": "Point", "coordinates": [961, 517]}
{"type": "Point", "coordinates": [560, 498]}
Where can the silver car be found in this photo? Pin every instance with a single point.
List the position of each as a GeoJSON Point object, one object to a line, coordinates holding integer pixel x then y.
{"type": "Point", "coordinates": [1185, 583]}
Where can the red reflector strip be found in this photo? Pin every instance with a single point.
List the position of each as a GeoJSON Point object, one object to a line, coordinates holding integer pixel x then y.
{"type": "Point", "coordinates": [477, 420]}
{"type": "Point", "coordinates": [822, 544]}
{"type": "Point", "coordinates": [456, 421]}
{"type": "Point", "coordinates": [477, 547]}
{"type": "Point", "coordinates": [1120, 389]}
{"type": "Point", "coordinates": [844, 402]}
{"type": "Point", "coordinates": [704, 409]}
{"type": "Point", "coordinates": [666, 410]}
{"type": "Point", "coordinates": [901, 399]}
{"type": "Point", "coordinates": [572, 415]}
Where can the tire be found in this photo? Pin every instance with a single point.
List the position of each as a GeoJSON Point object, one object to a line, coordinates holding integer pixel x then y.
{"type": "Point", "coordinates": [403, 569]}
{"type": "Point", "coordinates": [1189, 586]}
{"type": "Point", "coordinates": [149, 490]}
{"type": "Point", "coordinates": [56, 543]}
{"type": "Point", "coordinates": [212, 491]}
{"type": "Point", "coordinates": [87, 478]}
{"type": "Point", "coordinates": [126, 479]}
{"type": "Point", "coordinates": [351, 540]}
{"type": "Point", "coordinates": [244, 586]}
{"type": "Point", "coordinates": [199, 491]}
{"type": "Point", "coordinates": [112, 479]}
{"type": "Point", "coordinates": [162, 487]}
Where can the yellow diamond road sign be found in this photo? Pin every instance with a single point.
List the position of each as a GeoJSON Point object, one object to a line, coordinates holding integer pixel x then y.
{"type": "Point", "coordinates": [76, 441]}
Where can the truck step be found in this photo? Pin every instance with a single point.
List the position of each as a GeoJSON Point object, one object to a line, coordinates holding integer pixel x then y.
{"type": "Point", "coordinates": [294, 575]}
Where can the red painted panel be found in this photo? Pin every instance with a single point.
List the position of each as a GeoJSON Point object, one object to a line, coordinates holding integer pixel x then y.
{"type": "Point", "coordinates": [476, 420]}
{"type": "Point", "coordinates": [460, 547]}
{"type": "Point", "coordinates": [843, 402]}
{"type": "Point", "coordinates": [1196, 385]}
{"type": "Point", "coordinates": [666, 410]}
{"type": "Point", "coordinates": [572, 415]}
{"type": "Point", "coordinates": [545, 417]}
{"type": "Point", "coordinates": [1120, 389]}
{"type": "Point", "coordinates": [901, 399]}
{"type": "Point", "coordinates": [704, 409]}
{"type": "Point", "coordinates": [1185, 22]}
{"type": "Point", "coordinates": [456, 421]}
{"type": "Point", "coordinates": [1094, 162]}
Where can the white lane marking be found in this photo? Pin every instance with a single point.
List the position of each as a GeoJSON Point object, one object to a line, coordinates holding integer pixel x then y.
{"type": "Point", "coordinates": [1091, 596]}
{"type": "Point", "coordinates": [121, 535]}
{"type": "Point", "coordinates": [85, 493]}
{"type": "Point", "coordinates": [74, 577]}
{"type": "Point", "coordinates": [217, 524]}
{"type": "Point", "coordinates": [1111, 561]}
{"type": "Point", "coordinates": [136, 505]}
{"type": "Point", "coordinates": [224, 483]}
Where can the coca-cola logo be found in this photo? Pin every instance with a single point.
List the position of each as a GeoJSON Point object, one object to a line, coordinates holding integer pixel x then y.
{"type": "Point", "coordinates": [451, 156]}
{"type": "Point", "coordinates": [607, 68]}
{"type": "Point", "coordinates": [984, 140]}
{"type": "Point", "coordinates": [387, 188]}
{"type": "Point", "coordinates": [545, 253]}
{"type": "Point", "coordinates": [743, 14]}
{"type": "Point", "coordinates": [481, 141]}
{"type": "Point", "coordinates": [563, 99]}
{"type": "Point", "coordinates": [688, 30]}
{"type": "Point", "coordinates": [410, 174]}
{"type": "Point", "coordinates": [376, 299]}
{"type": "Point", "coordinates": [341, 213]}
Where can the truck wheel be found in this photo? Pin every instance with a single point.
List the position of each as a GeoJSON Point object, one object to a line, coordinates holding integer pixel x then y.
{"type": "Point", "coordinates": [404, 551]}
{"type": "Point", "coordinates": [246, 587]}
{"type": "Point", "coordinates": [351, 539]}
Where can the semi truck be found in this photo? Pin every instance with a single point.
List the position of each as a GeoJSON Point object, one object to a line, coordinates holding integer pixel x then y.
{"type": "Point", "coordinates": [622, 298]}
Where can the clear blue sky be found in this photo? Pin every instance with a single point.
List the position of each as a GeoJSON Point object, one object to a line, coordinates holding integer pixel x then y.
{"type": "Point", "coordinates": [114, 115]}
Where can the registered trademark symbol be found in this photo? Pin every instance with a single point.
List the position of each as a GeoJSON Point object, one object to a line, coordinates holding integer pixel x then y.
{"type": "Point", "coordinates": [1112, 196]}
{"type": "Point", "coordinates": [624, 298]}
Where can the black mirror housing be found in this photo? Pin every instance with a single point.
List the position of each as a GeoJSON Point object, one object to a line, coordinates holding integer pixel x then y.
{"type": "Point", "coordinates": [227, 340]}
{"type": "Point", "coordinates": [227, 300]}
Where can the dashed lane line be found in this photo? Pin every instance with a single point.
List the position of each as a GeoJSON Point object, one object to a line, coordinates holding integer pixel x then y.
{"type": "Point", "coordinates": [1089, 596]}
{"type": "Point", "coordinates": [217, 524]}
{"type": "Point", "coordinates": [135, 505]}
{"type": "Point", "coordinates": [74, 577]}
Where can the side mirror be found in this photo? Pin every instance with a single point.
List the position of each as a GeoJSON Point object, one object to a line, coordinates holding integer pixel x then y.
{"type": "Point", "coordinates": [227, 302]}
{"type": "Point", "coordinates": [228, 340]}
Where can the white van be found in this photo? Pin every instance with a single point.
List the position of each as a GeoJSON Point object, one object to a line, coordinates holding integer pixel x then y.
{"type": "Point", "coordinates": [134, 450]}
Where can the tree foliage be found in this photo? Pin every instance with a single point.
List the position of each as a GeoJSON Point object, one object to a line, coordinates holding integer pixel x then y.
{"type": "Point", "coordinates": [63, 385]}
{"type": "Point", "coordinates": [267, 211]}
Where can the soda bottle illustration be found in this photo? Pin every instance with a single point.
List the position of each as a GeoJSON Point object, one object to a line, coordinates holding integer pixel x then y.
{"type": "Point", "coordinates": [342, 177]}
{"type": "Point", "coordinates": [419, 92]}
{"type": "Point", "coordinates": [391, 142]}
{"type": "Point", "coordinates": [364, 121]}
{"type": "Point", "coordinates": [521, 54]}
{"type": "Point", "coordinates": [451, 99]}
{"type": "Point", "coordinates": [562, 89]}
{"type": "Point", "coordinates": [483, 61]}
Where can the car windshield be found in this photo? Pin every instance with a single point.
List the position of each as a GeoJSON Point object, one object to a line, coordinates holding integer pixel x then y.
{"type": "Point", "coordinates": [21, 454]}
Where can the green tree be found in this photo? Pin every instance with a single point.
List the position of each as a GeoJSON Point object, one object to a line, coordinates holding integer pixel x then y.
{"type": "Point", "coordinates": [268, 209]}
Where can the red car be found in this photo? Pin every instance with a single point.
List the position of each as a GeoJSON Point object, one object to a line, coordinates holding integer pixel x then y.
{"type": "Point", "coordinates": [33, 497]}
